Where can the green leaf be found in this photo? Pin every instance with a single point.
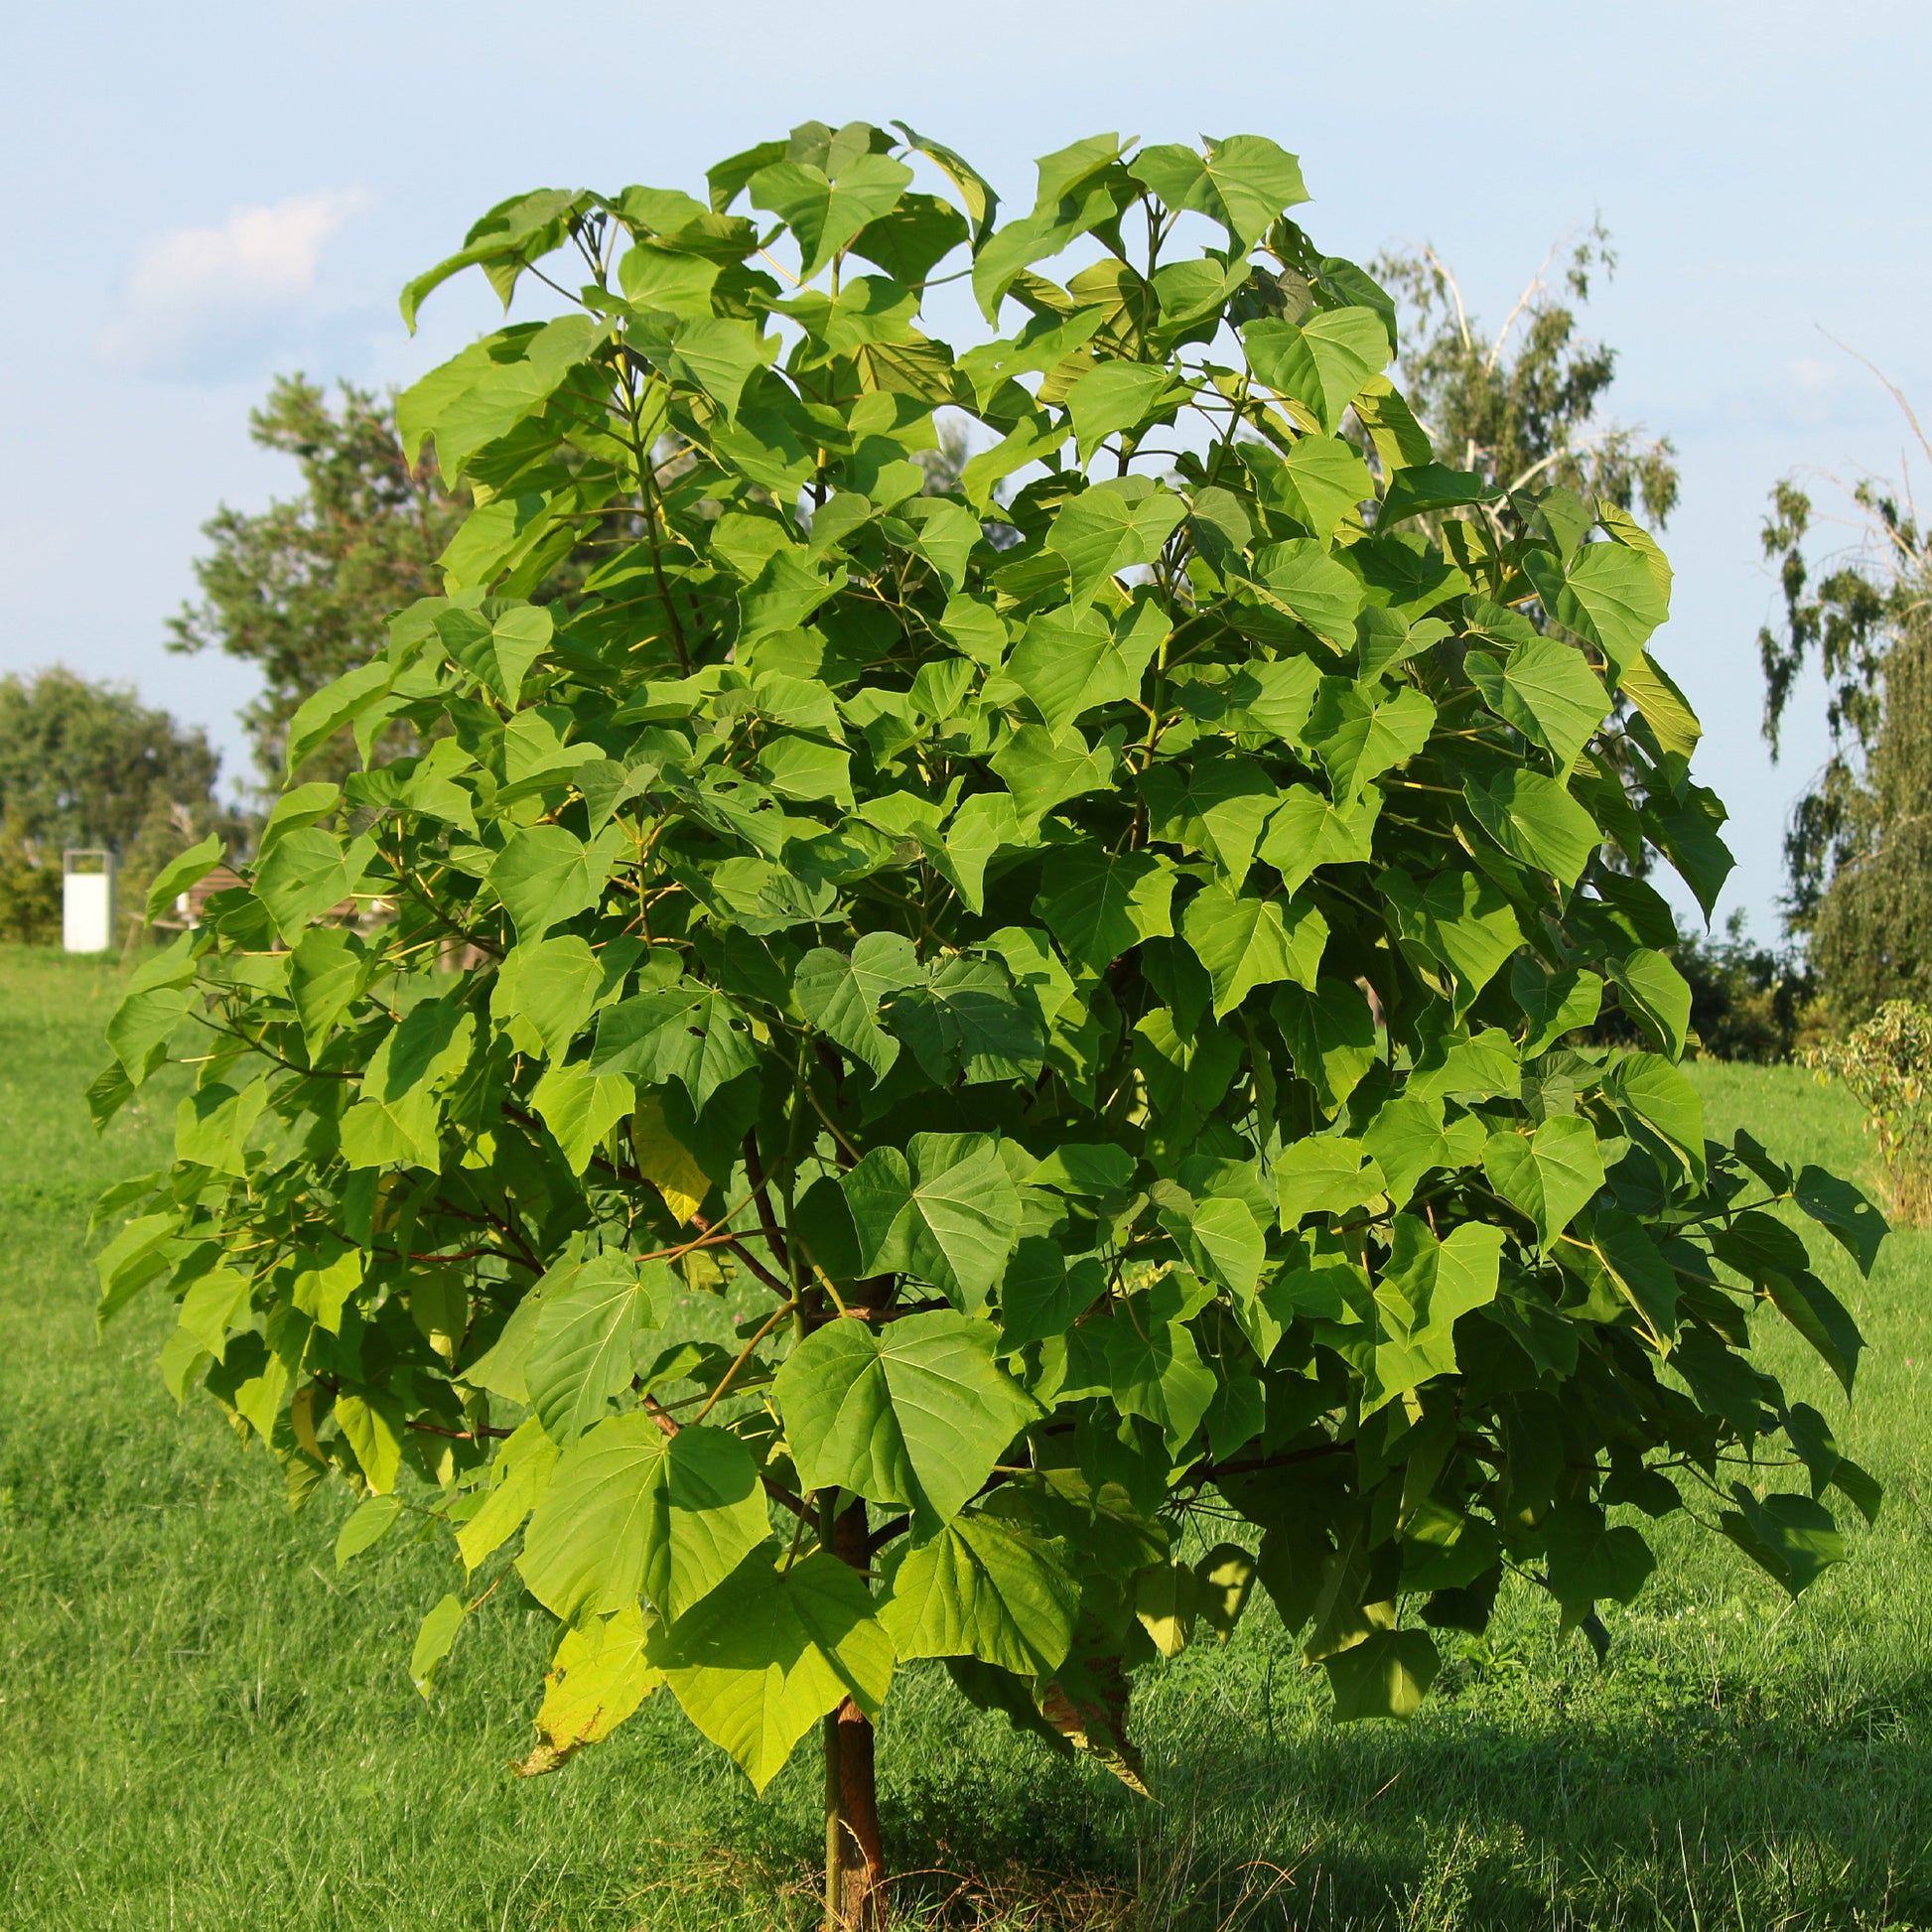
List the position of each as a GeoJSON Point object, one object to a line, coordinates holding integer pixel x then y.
{"type": "Point", "coordinates": [497, 642]}
{"type": "Point", "coordinates": [1331, 1036]}
{"type": "Point", "coordinates": [967, 1022]}
{"type": "Point", "coordinates": [598, 1677]}
{"type": "Point", "coordinates": [433, 1644]}
{"type": "Point", "coordinates": [631, 1511]}
{"type": "Point", "coordinates": [1326, 481]}
{"type": "Point", "coordinates": [1243, 183]}
{"type": "Point", "coordinates": [1590, 1561]}
{"type": "Point", "coordinates": [1534, 820]}
{"type": "Point", "coordinates": [580, 1108]}
{"type": "Point", "coordinates": [1459, 1068]}
{"type": "Point", "coordinates": [365, 1526]}
{"type": "Point", "coordinates": [1425, 488]}
{"type": "Point", "coordinates": [1460, 918]}
{"type": "Point", "coordinates": [1306, 830]}
{"type": "Point", "coordinates": [1547, 690]}
{"type": "Point", "coordinates": [520, 1474]}
{"type": "Point", "coordinates": [1686, 828]}
{"type": "Point", "coordinates": [826, 216]}
{"type": "Point", "coordinates": [841, 996]}
{"type": "Point", "coordinates": [1656, 993]}
{"type": "Point", "coordinates": [1321, 364]}
{"type": "Point", "coordinates": [1653, 1089]}
{"type": "Point", "coordinates": [1043, 1294]}
{"type": "Point", "coordinates": [546, 874]}
{"type": "Point", "coordinates": [1111, 527]}
{"type": "Point", "coordinates": [1215, 805]}
{"type": "Point", "coordinates": [308, 873]}
{"type": "Point", "coordinates": [1427, 1287]}
{"type": "Point", "coordinates": [1042, 770]}
{"type": "Point", "coordinates": [764, 1657]}
{"type": "Point", "coordinates": [1553, 1002]}
{"type": "Point", "coordinates": [982, 203]}
{"type": "Point", "coordinates": [580, 1355]}
{"type": "Point", "coordinates": [1608, 595]}
{"type": "Point", "coordinates": [1822, 1318]}
{"type": "Point", "coordinates": [1245, 942]}
{"type": "Point", "coordinates": [373, 1425]}
{"type": "Point", "coordinates": [1792, 1539]}
{"type": "Point", "coordinates": [1154, 1366]}
{"type": "Point", "coordinates": [688, 1032]}
{"type": "Point", "coordinates": [1550, 1173]}
{"type": "Point", "coordinates": [1113, 397]}
{"type": "Point", "coordinates": [1100, 904]}
{"type": "Point", "coordinates": [1663, 707]}
{"type": "Point", "coordinates": [946, 1214]}
{"type": "Point", "coordinates": [1844, 1213]}
{"type": "Point", "coordinates": [1218, 1237]}
{"type": "Point", "coordinates": [1071, 661]}
{"type": "Point", "coordinates": [1077, 192]}
{"type": "Point", "coordinates": [547, 990]}
{"type": "Point", "coordinates": [326, 712]}
{"type": "Point", "coordinates": [1358, 737]}
{"type": "Point", "coordinates": [1324, 1176]}
{"type": "Point", "coordinates": [1302, 581]}
{"type": "Point", "coordinates": [982, 1587]}
{"type": "Point", "coordinates": [480, 395]}
{"type": "Point", "coordinates": [185, 870]}
{"type": "Point", "coordinates": [1386, 1675]}
{"type": "Point", "coordinates": [914, 1416]}
{"type": "Point", "coordinates": [1638, 1270]}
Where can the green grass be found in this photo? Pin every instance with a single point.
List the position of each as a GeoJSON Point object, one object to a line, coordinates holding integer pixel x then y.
{"type": "Point", "coordinates": [201, 1724]}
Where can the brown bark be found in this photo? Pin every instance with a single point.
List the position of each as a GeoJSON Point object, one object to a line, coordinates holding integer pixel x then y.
{"type": "Point", "coordinates": [855, 1855]}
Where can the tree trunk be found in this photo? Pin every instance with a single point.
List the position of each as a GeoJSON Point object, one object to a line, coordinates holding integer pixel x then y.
{"type": "Point", "coordinates": [855, 1857]}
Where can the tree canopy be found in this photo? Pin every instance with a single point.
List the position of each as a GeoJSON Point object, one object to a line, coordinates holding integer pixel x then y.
{"type": "Point", "coordinates": [88, 764]}
{"type": "Point", "coordinates": [886, 1075]}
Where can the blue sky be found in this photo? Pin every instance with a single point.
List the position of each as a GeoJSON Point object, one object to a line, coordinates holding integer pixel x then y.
{"type": "Point", "coordinates": [203, 195]}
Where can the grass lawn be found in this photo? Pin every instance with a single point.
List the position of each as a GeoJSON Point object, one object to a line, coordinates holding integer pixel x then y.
{"type": "Point", "coordinates": [202, 1726]}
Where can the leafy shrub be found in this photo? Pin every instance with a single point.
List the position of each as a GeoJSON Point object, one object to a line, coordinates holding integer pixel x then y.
{"type": "Point", "coordinates": [30, 896]}
{"type": "Point", "coordinates": [1887, 1063]}
{"type": "Point", "coordinates": [1098, 997]}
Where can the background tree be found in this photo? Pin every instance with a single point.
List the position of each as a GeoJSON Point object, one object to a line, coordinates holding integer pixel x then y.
{"type": "Point", "coordinates": [303, 589]}
{"type": "Point", "coordinates": [1858, 844]}
{"type": "Point", "coordinates": [88, 764]}
{"type": "Point", "coordinates": [1520, 408]}
{"type": "Point", "coordinates": [84, 764]}
{"type": "Point", "coordinates": [1109, 1000]}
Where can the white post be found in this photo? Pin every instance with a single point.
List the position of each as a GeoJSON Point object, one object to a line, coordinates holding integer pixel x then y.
{"type": "Point", "coordinates": [88, 904]}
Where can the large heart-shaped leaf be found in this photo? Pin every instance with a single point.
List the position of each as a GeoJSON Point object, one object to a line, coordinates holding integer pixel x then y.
{"type": "Point", "coordinates": [1550, 1173]}
{"type": "Point", "coordinates": [946, 1210]}
{"type": "Point", "coordinates": [915, 1415]}
{"type": "Point", "coordinates": [631, 1511]}
{"type": "Point", "coordinates": [982, 1587]}
{"type": "Point", "coordinates": [771, 1651]}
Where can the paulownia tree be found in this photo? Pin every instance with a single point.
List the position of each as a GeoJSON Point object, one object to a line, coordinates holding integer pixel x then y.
{"type": "Point", "coordinates": [1091, 974]}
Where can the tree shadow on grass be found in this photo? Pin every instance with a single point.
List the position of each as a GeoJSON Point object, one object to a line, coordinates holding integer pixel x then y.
{"type": "Point", "coordinates": [1699, 1810]}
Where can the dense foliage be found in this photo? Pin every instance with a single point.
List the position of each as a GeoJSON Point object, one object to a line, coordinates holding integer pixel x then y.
{"type": "Point", "coordinates": [1087, 979]}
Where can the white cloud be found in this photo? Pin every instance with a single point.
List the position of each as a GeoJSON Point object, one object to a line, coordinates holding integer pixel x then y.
{"type": "Point", "coordinates": [200, 302]}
